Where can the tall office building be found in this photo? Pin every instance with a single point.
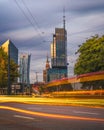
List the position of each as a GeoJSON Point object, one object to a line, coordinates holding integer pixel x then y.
{"type": "Point", "coordinates": [25, 69]}
{"type": "Point", "coordinates": [11, 50]}
{"type": "Point", "coordinates": [59, 49]}
{"type": "Point", "coordinates": [58, 54]}
{"type": "Point", "coordinates": [12, 53]}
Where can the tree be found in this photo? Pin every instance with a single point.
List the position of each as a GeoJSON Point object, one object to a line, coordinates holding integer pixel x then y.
{"type": "Point", "coordinates": [4, 69]}
{"type": "Point", "coordinates": [13, 71]}
{"type": "Point", "coordinates": [91, 56]}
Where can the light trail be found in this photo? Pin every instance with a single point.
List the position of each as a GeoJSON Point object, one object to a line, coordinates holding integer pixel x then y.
{"type": "Point", "coordinates": [95, 103]}
{"type": "Point", "coordinates": [51, 115]}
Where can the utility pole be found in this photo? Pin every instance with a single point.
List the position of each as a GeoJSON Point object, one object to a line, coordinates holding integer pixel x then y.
{"type": "Point", "coordinates": [36, 76]}
{"type": "Point", "coordinates": [23, 74]}
{"type": "Point", "coordinates": [9, 85]}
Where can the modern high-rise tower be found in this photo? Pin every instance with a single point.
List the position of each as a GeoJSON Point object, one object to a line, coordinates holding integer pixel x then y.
{"type": "Point", "coordinates": [59, 49]}
{"type": "Point", "coordinates": [11, 50]}
{"type": "Point", "coordinates": [12, 53]}
{"type": "Point", "coordinates": [25, 69]}
{"type": "Point", "coordinates": [58, 68]}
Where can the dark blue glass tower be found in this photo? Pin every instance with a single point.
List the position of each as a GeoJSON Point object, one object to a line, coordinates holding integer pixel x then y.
{"type": "Point", "coordinates": [59, 54]}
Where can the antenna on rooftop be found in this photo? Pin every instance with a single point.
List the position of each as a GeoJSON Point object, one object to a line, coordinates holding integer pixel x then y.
{"type": "Point", "coordinates": [64, 17]}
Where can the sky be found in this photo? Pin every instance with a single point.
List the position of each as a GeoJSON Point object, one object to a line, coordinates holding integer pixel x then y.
{"type": "Point", "coordinates": [30, 24]}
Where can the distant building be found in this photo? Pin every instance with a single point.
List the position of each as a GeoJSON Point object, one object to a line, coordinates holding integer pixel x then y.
{"type": "Point", "coordinates": [11, 49]}
{"type": "Point", "coordinates": [45, 71]}
{"type": "Point", "coordinates": [25, 69]}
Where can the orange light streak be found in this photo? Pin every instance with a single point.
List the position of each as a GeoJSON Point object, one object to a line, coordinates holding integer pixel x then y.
{"type": "Point", "coordinates": [94, 76]}
{"type": "Point", "coordinates": [51, 115]}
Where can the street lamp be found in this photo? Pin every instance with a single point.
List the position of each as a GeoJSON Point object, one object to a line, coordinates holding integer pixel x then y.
{"type": "Point", "coordinates": [23, 74]}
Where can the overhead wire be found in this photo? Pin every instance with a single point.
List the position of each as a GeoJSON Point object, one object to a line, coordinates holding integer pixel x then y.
{"type": "Point", "coordinates": [31, 23]}
{"type": "Point", "coordinates": [38, 27]}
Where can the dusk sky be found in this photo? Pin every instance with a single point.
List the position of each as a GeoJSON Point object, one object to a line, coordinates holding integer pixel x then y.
{"type": "Point", "coordinates": [30, 24]}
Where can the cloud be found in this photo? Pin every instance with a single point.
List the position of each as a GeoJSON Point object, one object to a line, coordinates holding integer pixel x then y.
{"type": "Point", "coordinates": [84, 18]}
{"type": "Point", "coordinates": [86, 7]}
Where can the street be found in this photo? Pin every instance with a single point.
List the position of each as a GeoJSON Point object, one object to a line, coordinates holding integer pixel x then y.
{"type": "Point", "coordinates": [47, 117]}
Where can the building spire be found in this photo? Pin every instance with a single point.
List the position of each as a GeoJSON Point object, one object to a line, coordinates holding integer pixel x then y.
{"type": "Point", "coordinates": [47, 57]}
{"type": "Point", "coordinates": [47, 63]}
{"type": "Point", "coordinates": [64, 17]}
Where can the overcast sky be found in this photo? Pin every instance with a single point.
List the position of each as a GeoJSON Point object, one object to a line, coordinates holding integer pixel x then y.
{"type": "Point", "coordinates": [29, 24]}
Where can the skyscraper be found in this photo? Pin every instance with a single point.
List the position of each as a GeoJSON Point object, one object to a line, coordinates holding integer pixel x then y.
{"type": "Point", "coordinates": [59, 49]}
{"type": "Point", "coordinates": [58, 54]}
{"type": "Point", "coordinates": [11, 50]}
{"type": "Point", "coordinates": [12, 53]}
{"type": "Point", "coordinates": [25, 69]}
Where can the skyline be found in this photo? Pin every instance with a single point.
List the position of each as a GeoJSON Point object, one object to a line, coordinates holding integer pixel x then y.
{"type": "Point", "coordinates": [31, 24]}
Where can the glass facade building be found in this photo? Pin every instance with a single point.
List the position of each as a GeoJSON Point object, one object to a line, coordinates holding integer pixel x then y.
{"type": "Point", "coordinates": [12, 53]}
{"type": "Point", "coordinates": [59, 64]}
{"type": "Point", "coordinates": [25, 69]}
{"type": "Point", "coordinates": [58, 55]}
{"type": "Point", "coordinates": [56, 73]}
{"type": "Point", "coordinates": [11, 49]}
{"type": "Point", "coordinates": [59, 49]}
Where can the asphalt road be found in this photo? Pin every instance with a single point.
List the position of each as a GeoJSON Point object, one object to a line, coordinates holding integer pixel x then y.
{"type": "Point", "coordinates": [47, 117]}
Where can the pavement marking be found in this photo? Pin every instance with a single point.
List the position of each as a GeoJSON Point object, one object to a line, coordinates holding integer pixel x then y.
{"type": "Point", "coordinates": [25, 117]}
{"type": "Point", "coordinates": [83, 112]}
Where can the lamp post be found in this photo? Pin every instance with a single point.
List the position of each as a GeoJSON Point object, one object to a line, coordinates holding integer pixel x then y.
{"type": "Point", "coordinates": [36, 77]}
{"type": "Point", "coordinates": [23, 74]}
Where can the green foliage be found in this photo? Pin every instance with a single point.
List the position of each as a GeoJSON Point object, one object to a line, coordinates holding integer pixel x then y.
{"type": "Point", "coordinates": [91, 56]}
{"type": "Point", "coordinates": [13, 71]}
{"type": "Point", "coordinates": [4, 69]}
{"type": "Point", "coordinates": [91, 59]}
{"type": "Point", "coordinates": [94, 85]}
